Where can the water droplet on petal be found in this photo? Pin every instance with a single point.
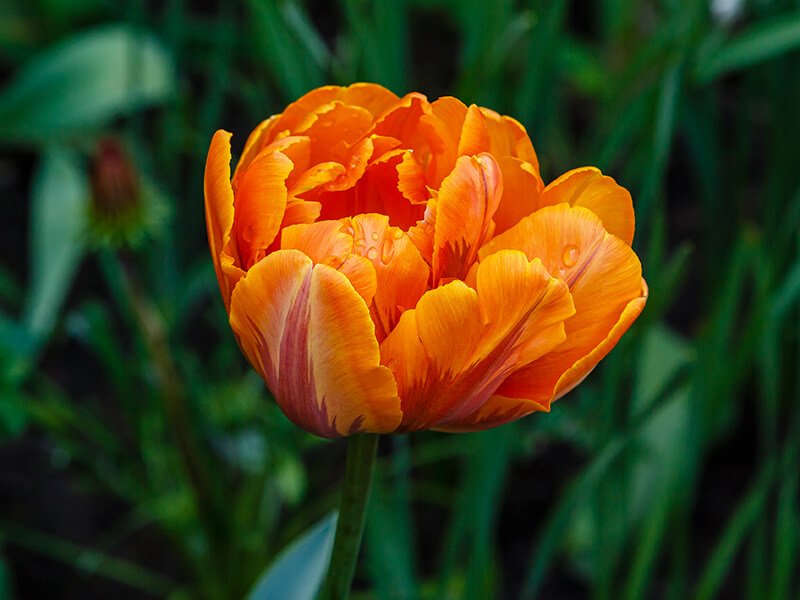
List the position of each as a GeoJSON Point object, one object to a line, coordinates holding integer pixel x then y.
{"type": "Point", "coordinates": [375, 235]}
{"type": "Point", "coordinates": [372, 253]}
{"type": "Point", "coordinates": [248, 233]}
{"type": "Point", "coordinates": [560, 273]}
{"type": "Point", "coordinates": [398, 234]}
{"type": "Point", "coordinates": [387, 251]}
{"type": "Point", "coordinates": [570, 255]}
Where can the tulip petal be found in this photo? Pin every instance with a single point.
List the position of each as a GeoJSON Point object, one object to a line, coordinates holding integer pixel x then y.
{"type": "Point", "coordinates": [256, 141]}
{"type": "Point", "coordinates": [331, 243]}
{"type": "Point", "coordinates": [509, 138]}
{"type": "Point", "coordinates": [380, 261]}
{"type": "Point", "coordinates": [371, 96]}
{"type": "Point", "coordinates": [402, 274]}
{"type": "Point", "coordinates": [335, 128]}
{"type": "Point", "coordinates": [260, 203]}
{"type": "Point", "coordinates": [521, 190]}
{"type": "Point", "coordinates": [604, 276]}
{"type": "Point", "coordinates": [467, 201]}
{"type": "Point", "coordinates": [453, 350]}
{"type": "Point", "coordinates": [219, 213]}
{"type": "Point", "coordinates": [309, 335]}
{"type": "Point", "coordinates": [474, 133]}
{"type": "Point", "coordinates": [599, 193]}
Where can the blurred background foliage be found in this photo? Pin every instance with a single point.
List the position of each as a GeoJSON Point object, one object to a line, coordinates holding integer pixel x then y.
{"type": "Point", "coordinates": [141, 457]}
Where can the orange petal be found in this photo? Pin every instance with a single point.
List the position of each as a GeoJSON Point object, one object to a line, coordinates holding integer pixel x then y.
{"type": "Point", "coordinates": [497, 410]}
{"type": "Point", "coordinates": [309, 335]}
{"type": "Point", "coordinates": [256, 141]}
{"type": "Point", "coordinates": [428, 350]}
{"type": "Point", "coordinates": [402, 274]}
{"type": "Point", "coordinates": [509, 138]}
{"type": "Point", "coordinates": [297, 111]}
{"type": "Point", "coordinates": [604, 276]}
{"type": "Point", "coordinates": [381, 190]}
{"type": "Point", "coordinates": [219, 212]}
{"type": "Point", "coordinates": [411, 181]}
{"type": "Point", "coordinates": [412, 121]}
{"type": "Point", "coordinates": [334, 129]}
{"type": "Point", "coordinates": [371, 96]}
{"type": "Point", "coordinates": [474, 134]}
{"type": "Point", "coordinates": [521, 190]}
{"type": "Point", "coordinates": [467, 201]}
{"type": "Point", "coordinates": [421, 234]}
{"type": "Point", "coordinates": [260, 203]}
{"type": "Point", "coordinates": [449, 113]}
{"type": "Point", "coordinates": [315, 177]}
{"type": "Point", "coordinates": [330, 243]}
{"type": "Point", "coordinates": [380, 261]}
{"type": "Point", "coordinates": [599, 193]}
{"type": "Point", "coordinates": [453, 350]}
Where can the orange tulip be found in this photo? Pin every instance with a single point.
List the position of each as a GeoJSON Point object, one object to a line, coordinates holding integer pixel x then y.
{"type": "Point", "coordinates": [391, 264]}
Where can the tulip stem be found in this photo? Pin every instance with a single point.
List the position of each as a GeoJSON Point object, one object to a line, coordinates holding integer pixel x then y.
{"type": "Point", "coordinates": [361, 451]}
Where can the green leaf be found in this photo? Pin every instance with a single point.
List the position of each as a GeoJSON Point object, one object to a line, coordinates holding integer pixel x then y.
{"type": "Point", "coordinates": [84, 82]}
{"type": "Point", "coordinates": [298, 571]}
{"type": "Point", "coordinates": [761, 42]}
{"type": "Point", "coordinates": [58, 219]}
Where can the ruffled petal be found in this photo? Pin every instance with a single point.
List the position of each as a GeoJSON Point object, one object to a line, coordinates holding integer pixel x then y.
{"type": "Point", "coordinates": [453, 350]}
{"type": "Point", "coordinates": [331, 243]}
{"type": "Point", "coordinates": [219, 213]}
{"type": "Point", "coordinates": [258, 139]}
{"type": "Point", "coordinates": [392, 185]}
{"type": "Point", "coordinates": [308, 333]}
{"type": "Point", "coordinates": [474, 133]}
{"type": "Point", "coordinates": [589, 188]}
{"type": "Point", "coordinates": [260, 203]}
{"type": "Point", "coordinates": [509, 138]}
{"type": "Point", "coordinates": [402, 274]}
{"type": "Point", "coordinates": [371, 96]}
{"type": "Point", "coordinates": [467, 201]}
{"type": "Point", "coordinates": [335, 129]}
{"type": "Point", "coordinates": [379, 260]}
{"type": "Point", "coordinates": [605, 279]}
{"type": "Point", "coordinates": [522, 188]}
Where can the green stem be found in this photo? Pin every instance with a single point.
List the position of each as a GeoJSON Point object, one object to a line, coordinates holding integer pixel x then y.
{"type": "Point", "coordinates": [361, 450]}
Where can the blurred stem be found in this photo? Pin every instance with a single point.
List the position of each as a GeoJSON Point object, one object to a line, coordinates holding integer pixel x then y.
{"type": "Point", "coordinates": [361, 451]}
{"type": "Point", "coordinates": [150, 324]}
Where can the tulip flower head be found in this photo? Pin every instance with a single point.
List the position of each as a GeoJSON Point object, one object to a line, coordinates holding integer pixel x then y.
{"type": "Point", "coordinates": [393, 264]}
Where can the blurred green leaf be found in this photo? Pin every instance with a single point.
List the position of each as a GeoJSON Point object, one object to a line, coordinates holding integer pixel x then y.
{"type": "Point", "coordinates": [662, 354]}
{"type": "Point", "coordinates": [84, 82]}
{"type": "Point", "coordinates": [299, 570]}
{"type": "Point", "coordinates": [389, 531]}
{"type": "Point", "coordinates": [58, 226]}
{"type": "Point", "coordinates": [285, 48]}
{"type": "Point", "coordinates": [17, 349]}
{"type": "Point", "coordinates": [85, 559]}
{"type": "Point", "coordinates": [761, 42]}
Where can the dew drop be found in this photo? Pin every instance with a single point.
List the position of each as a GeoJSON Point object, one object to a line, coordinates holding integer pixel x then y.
{"type": "Point", "coordinates": [375, 235]}
{"type": "Point", "coordinates": [560, 272]}
{"type": "Point", "coordinates": [387, 251]}
{"type": "Point", "coordinates": [398, 234]}
{"type": "Point", "coordinates": [570, 255]}
{"type": "Point", "coordinates": [372, 253]}
{"type": "Point", "coordinates": [248, 233]}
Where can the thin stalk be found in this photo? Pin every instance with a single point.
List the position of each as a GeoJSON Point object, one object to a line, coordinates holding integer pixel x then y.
{"type": "Point", "coordinates": [361, 451]}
